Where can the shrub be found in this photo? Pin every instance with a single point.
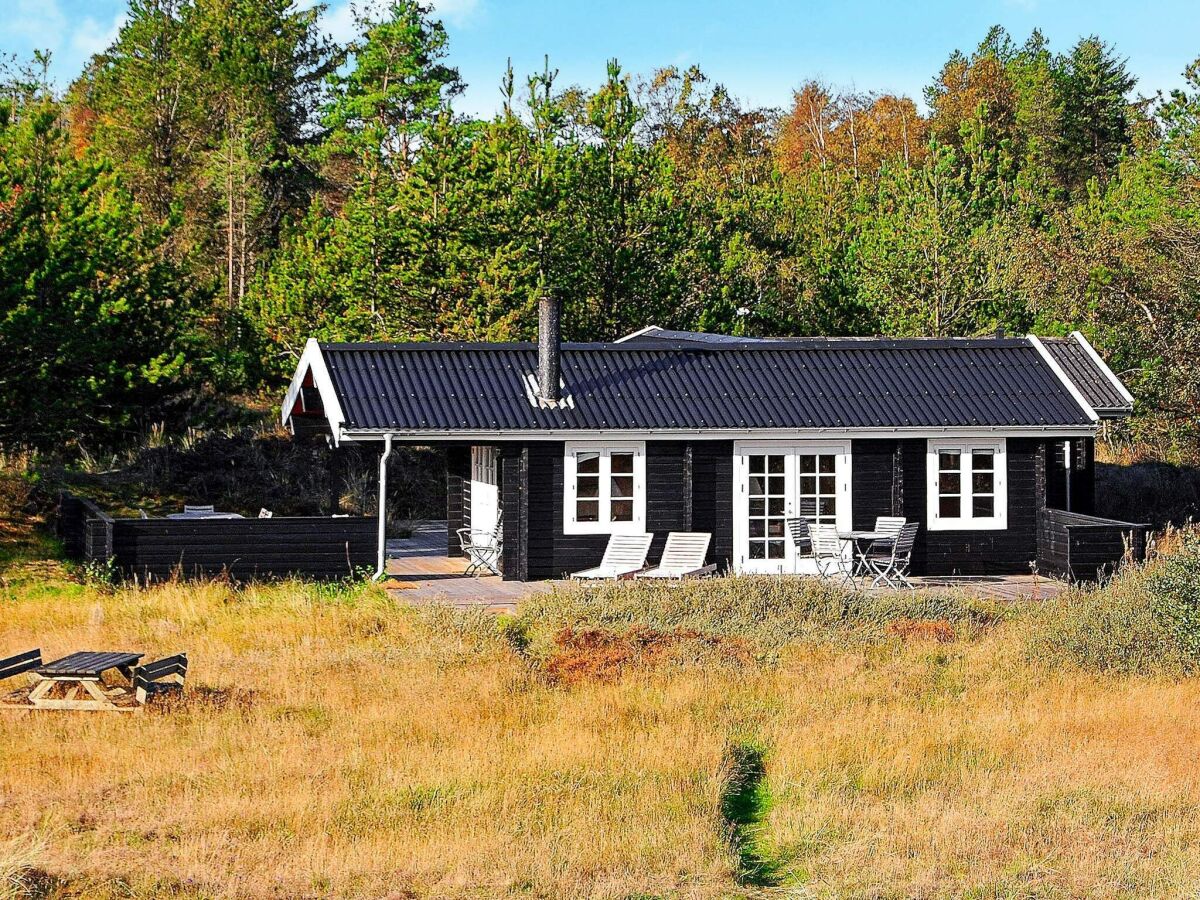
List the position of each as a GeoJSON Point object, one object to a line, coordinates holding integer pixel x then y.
{"type": "Point", "coordinates": [1146, 620]}
{"type": "Point", "coordinates": [1174, 591]}
{"type": "Point", "coordinates": [770, 612]}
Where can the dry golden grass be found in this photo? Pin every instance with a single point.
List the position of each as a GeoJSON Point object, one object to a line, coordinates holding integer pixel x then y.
{"type": "Point", "coordinates": [337, 744]}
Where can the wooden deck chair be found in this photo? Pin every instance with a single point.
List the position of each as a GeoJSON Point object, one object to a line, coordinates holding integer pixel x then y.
{"type": "Point", "coordinates": [625, 555]}
{"type": "Point", "coordinates": [160, 677]}
{"type": "Point", "coordinates": [683, 556]}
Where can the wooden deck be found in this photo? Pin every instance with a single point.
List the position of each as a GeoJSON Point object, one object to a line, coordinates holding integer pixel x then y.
{"type": "Point", "coordinates": [419, 570]}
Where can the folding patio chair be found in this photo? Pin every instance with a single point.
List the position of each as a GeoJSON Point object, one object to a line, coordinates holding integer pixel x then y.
{"type": "Point", "coordinates": [482, 550]}
{"type": "Point", "coordinates": [682, 557]}
{"type": "Point", "coordinates": [625, 555]}
{"type": "Point", "coordinates": [890, 562]}
{"type": "Point", "coordinates": [889, 525]}
{"type": "Point", "coordinates": [820, 544]}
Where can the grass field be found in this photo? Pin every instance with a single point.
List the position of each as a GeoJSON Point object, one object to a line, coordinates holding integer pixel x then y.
{"type": "Point", "coordinates": [337, 744]}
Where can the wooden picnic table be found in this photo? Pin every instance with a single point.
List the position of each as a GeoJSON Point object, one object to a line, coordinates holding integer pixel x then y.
{"type": "Point", "coordinates": [80, 673]}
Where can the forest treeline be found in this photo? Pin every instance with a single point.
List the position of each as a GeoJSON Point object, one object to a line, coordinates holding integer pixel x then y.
{"type": "Point", "coordinates": [225, 181]}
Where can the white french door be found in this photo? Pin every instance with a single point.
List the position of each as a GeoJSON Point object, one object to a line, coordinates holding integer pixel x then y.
{"type": "Point", "coordinates": [485, 489]}
{"type": "Point", "coordinates": [775, 481]}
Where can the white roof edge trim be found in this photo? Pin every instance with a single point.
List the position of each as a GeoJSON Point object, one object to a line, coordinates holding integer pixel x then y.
{"type": "Point", "coordinates": [1062, 376]}
{"type": "Point", "coordinates": [717, 434]}
{"type": "Point", "coordinates": [1103, 366]}
{"type": "Point", "coordinates": [637, 334]}
{"type": "Point", "coordinates": [312, 359]}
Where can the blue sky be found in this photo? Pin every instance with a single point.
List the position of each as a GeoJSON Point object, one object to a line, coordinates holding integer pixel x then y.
{"type": "Point", "coordinates": [759, 50]}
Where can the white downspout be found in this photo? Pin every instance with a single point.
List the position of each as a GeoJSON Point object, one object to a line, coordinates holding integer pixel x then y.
{"type": "Point", "coordinates": [383, 459]}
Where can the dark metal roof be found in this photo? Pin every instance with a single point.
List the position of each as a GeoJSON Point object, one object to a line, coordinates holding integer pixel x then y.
{"type": "Point", "coordinates": [792, 384]}
{"type": "Point", "coordinates": [1091, 379]}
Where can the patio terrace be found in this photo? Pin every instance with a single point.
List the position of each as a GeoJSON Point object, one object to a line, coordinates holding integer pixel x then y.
{"type": "Point", "coordinates": [418, 570]}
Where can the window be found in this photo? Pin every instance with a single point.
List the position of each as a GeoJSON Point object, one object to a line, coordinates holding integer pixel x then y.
{"type": "Point", "coordinates": [967, 485]}
{"type": "Point", "coordinates": [604, 488]}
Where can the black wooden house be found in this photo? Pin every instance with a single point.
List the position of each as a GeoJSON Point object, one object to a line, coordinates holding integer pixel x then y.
{"type": "Point", "coordinates": [988, 443]}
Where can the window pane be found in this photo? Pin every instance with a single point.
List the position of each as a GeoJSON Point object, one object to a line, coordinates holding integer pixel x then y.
{"type": "Point", "coordinates": [756, 506]}
{"type": "Point", "coordinates": [828, 485]}
{"type": "Point", "coordinates": [808, 484]}
{"type": "Point", "coordinates": [587, 486]}
{"type": "Point", "coordinates": [622, 463]}
{"type": "Point", "coordinates": [776, 485]}
{"type": "Point", "coordinates": [774, 549]}
{"type": "Point", "coordinates": [983, 460]}
{"type": "Point", "coordinates": [758, 485]}
{"type": "Point", "coordinates": [775, 465]}
{"type": "Point", "coordinates": [949, 460]}
{"type": "Point", "coordinates": [950, 483]}
{"type": "Point", "coordinates": [775, 505]}
{"type": "Point", "coordinates": [758, 528]}
{"type": "Point", "coordinates": [982, 482]}
{"type": "Point", "coordinates": [775, 528]}
{"type": "Point", "coordinates": [587, 462]}
{"type": "Point", "coordinates": [827, 464]}
{"type": "Point", "coordinates": [828, 506]}
{"type": "Point", "coordinates": [587, 511]}
{"type": "Point", "coordinates": [949, 507]}
{"type": "Point", "coordinates": [622, 511]}
{"type": "Point", "coordinates": [808, 507]}
{"type": "Point", "coordinates": [757, 550]}
{"type": "Point", "coordinates": [983, 507]}
{"type": "Point", "coordinates": [808, 464]}
{"type": "Point", "coordinates": [622, 487]}
{"type": "Point", "coordinates": [758, 465]}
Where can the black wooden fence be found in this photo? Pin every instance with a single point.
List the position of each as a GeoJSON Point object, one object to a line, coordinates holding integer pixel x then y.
{"type": "Point", "coordinates": [1084, 548]}
{"type": "Point", "coordinates": [309, 546]}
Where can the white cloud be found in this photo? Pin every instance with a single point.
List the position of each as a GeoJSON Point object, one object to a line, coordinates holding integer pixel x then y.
{"type": "Point", "coordinates": [90, 37]}
{"type": "Point", "coordinates": [461, 13]}
{"type": "Point", "coordinates": [43, 25]}
{"type": "Point", "coordinates": [36, 23]}
{"type": "Point", "coordinates": [338, 21]}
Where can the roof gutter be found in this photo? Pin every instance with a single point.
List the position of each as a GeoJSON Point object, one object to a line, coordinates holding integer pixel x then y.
{"type": "Point", "coordinates": [561, 434]}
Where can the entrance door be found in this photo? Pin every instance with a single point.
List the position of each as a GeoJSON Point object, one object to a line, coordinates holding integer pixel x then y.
{"type": "Point", "coordinates": [777, 481]}
{"type": "Point", "coordinates": [485, 489]}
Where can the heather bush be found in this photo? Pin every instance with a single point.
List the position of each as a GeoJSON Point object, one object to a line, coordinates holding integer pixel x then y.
{"type": "Point", "coordinates": [1145, 620]}
{"type": "Point", "coordinates": [768, 611]}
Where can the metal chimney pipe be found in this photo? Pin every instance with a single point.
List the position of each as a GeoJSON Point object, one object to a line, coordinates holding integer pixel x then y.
{"type": "Point", "coordinates": [549, 331]}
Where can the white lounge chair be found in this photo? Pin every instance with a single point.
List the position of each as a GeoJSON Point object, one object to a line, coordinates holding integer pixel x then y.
{"type": "Point", "coordinates": [683, 556]}
{"type": "Point", "coordinates": [625, 555]}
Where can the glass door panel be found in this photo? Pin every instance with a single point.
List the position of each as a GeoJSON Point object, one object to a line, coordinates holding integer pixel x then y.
{"type": "Point", "coordinates": [766, 493]}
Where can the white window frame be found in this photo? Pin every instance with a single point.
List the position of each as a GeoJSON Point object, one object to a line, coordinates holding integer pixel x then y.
{"type": "Point", "coordinates": [964, 522]}
{"type": "Point", "coordinates": [570, 487]}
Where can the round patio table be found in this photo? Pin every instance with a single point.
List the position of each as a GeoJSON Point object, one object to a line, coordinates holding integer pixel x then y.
{"type": "Point", "coordinates": [861, 542]}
